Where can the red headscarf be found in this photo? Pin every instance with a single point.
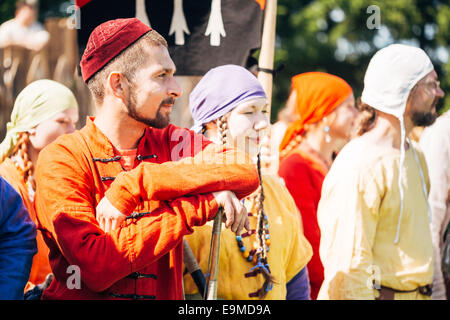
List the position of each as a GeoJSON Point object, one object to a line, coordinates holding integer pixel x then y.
{"type": "Point", "coordinates": [318, 94]}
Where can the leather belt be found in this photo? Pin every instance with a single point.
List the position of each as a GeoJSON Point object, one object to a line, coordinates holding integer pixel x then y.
{"type": "Point", "coordinates": [387, 293]}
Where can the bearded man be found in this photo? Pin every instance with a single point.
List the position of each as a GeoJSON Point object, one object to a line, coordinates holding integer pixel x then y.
{"type": "Point", "coordinates": [373, 213]}
{"type": "Point", "coordinates": [111, 201]}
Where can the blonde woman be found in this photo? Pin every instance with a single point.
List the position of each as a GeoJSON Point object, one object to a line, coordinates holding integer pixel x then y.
{"type": "Point", "coordinates": [43, 111]}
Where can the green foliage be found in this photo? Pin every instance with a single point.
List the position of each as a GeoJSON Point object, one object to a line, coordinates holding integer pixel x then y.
{"type": "Point", "coordinates": [7, 8]}
{"type": "Point", "coordinates": [333, 36]}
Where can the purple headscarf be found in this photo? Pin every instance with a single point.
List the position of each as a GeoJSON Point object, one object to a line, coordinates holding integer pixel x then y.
{"type": "Point", "coordinates": [221, 90]}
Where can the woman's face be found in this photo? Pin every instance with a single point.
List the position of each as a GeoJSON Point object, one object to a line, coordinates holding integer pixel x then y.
{"type": "Point", "coordinates": [50, 129]}
{"type": "Point", "coordinates": [247, 123]}
{"type": "Point", "coordinates": [343, 119]}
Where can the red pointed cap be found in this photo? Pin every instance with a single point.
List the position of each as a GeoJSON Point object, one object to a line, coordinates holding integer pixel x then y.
{"type": "Point", "coordinates": [107, 41]}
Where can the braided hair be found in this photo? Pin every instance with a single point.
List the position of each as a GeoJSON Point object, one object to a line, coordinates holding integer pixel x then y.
{"type": "Point", "coordinates": [222, 126]}
{"type": "Point", "coordinates": [21, 150]}
{"type": "Point", "coordinates": [262, 234]}
{"type": "Point", "coordinates": [261, 229]}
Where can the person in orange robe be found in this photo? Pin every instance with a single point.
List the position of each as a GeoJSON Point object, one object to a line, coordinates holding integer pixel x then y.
{"type": "Point", "coordinates": [325, 107]}
{"type": "Point", "coordinates": [116, 198]}
{"type": "Point", "coordinates": [43, 111]}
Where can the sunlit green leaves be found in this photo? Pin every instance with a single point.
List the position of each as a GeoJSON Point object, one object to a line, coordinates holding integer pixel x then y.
{"type": "Point", "coordinates": [333, 36]}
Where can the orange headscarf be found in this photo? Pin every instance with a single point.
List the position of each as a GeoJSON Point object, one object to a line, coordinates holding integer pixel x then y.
{"type": "Point", "coordinates": [318, 94]}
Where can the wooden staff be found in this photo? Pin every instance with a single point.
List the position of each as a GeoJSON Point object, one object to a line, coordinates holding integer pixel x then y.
{"type": "Point", "coordinates": [213, 262]}
{"type": "Point", "coordinates": [265, 67]}
{"type": "Point", "coordinates": [265, 75]}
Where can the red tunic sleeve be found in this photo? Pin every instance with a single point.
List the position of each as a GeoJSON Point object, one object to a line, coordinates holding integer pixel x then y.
{"type": "Point", "coordinates": [213, 169]}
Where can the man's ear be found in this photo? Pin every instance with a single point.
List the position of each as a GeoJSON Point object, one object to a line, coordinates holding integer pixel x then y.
{"type": "Point", "coordinates": [118, 85]}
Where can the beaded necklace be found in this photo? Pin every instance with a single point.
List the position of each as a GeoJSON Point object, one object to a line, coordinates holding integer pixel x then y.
{"type": "Point", "coordinates": [253, 255]}
{"type": "Point", "coordinates": [258, 254]}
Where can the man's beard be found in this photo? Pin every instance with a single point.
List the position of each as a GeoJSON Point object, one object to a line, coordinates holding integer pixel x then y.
{"type": "Point", "coordinates": [159, 122]}
{"type": "Point", "coordinates": [425, 119]}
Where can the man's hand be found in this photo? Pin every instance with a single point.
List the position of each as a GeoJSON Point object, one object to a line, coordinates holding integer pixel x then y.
{"type": "Point", "coordinates": [108, 217]}
{"type": "Point", "coordinates": [235, 213]}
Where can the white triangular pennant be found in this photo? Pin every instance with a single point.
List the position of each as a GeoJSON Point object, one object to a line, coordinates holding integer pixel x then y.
{"type": "Point", "coordinates": [141, 13]}
{"type": "Point", "coordinates": [215, 27]}
{"type": "Point", "coordinates": [178, 24]}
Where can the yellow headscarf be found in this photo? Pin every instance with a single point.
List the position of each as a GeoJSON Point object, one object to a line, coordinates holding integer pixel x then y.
{"type": "Point", "coordinates": [37, 102]}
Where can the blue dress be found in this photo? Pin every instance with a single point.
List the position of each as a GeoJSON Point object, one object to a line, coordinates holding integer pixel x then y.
{"type": "Point", "coordinates": [17, 243]}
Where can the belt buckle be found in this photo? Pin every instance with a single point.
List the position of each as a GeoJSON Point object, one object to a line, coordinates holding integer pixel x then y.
{"type": "Point", "coordinates": [426, 290]}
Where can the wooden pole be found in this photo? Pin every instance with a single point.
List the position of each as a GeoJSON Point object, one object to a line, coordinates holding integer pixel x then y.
{"type": "Point", "coordinates": [268, 48]}
{"type": "Point", "coordinates": [265, 74]}
{"type": "Point", "coordinates": [213, 263]}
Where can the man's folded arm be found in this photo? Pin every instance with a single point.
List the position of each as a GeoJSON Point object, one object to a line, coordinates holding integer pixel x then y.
{"type": "Point", "coordinates": [214, 169]}
{"type": "Point", "coordinates": [65, 210]}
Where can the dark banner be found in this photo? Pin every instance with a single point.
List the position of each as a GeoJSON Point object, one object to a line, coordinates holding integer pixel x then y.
{"type": "Point", "coordinates": [201, 34]}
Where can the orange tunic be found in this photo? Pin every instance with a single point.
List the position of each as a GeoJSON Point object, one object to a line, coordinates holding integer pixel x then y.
{"type": "Point", "coordinates": [41, 266]}
{"type": "Point", "coordinates": [142, 259]}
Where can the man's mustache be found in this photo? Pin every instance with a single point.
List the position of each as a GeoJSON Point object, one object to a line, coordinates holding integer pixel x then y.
{"type": "Point", "coordinates": [170, 100]}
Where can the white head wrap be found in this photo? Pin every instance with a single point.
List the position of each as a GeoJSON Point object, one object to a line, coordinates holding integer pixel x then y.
{"type": "Point", "coordinates": [392, 72]}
